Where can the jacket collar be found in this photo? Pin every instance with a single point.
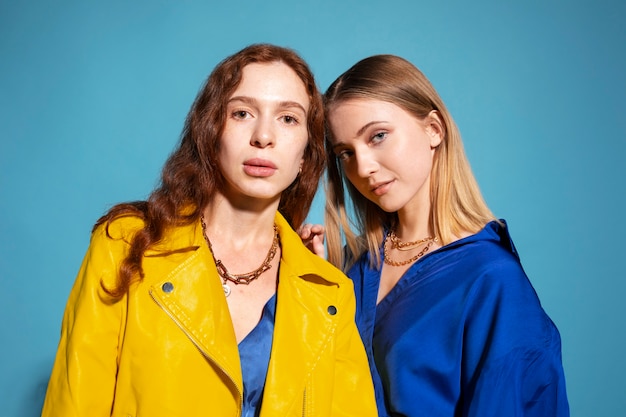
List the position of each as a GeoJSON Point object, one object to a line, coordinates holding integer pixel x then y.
{"type": "Point", "coordinates": [295, 256]}
{"type": "Point", "coordinates": [307, 292]}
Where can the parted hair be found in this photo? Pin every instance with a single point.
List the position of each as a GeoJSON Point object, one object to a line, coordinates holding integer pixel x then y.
{"type": "Point", "coordinates": [192, 175]}
{"type": "Point", "coordinates": [456, 202]}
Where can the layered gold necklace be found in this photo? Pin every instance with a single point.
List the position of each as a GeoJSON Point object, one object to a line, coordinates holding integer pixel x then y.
{"type": "Point", "coordinates": [248, 277]}
{"type": "Point", "coordinates": [392, 241]}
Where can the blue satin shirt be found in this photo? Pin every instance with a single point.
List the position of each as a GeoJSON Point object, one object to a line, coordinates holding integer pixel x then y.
{"type": "Point", "coordinates": [254, 353]}
{"type": "Point", "coordinates": [461, 334]}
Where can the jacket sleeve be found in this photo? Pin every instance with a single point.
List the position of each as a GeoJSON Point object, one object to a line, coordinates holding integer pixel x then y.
{"type": "Point", "coordinates": [83, 377]}
{"type": "Point", "coordinates": [353, 389]}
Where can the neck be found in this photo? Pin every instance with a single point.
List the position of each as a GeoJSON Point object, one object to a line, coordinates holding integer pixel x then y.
{"type": "Point", "coordinates": [413, 224]}
{"type": "Point", "coordinates": [239, 227]}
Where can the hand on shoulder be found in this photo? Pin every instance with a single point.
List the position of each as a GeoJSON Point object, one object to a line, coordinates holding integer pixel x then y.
{"type": "Point", "coordinates": [312, 236]}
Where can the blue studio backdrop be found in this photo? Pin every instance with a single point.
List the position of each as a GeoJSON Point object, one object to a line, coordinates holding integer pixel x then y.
{"type": "Point", "coordinates": [93, 96]}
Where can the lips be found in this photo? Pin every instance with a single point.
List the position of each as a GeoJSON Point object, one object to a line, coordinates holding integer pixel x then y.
{"type": "Point", "coordinates": [380, 188]}
{"type": "Point", "coordinates": [257, 167]}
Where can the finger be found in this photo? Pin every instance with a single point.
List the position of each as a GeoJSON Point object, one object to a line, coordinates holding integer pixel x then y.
{"type": "Point", "coordinates": [305, 231]}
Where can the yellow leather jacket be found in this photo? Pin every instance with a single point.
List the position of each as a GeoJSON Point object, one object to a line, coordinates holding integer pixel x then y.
{"type": "Point", "coordinates": [168, 347]}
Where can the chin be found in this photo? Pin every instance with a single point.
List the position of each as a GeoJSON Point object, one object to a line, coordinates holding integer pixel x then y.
{"type": "Point", "coordinates": [388, 209]}
{"type": "Point", "coordinates": [386, 206]}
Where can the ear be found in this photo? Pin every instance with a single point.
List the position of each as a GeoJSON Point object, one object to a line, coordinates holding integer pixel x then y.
{"type": "Point", "coordinates": [435, 128]}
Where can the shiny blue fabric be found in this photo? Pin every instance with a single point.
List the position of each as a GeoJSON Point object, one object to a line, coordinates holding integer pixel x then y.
{"type": "Point", "coordinates": [254, 353]}
{"type": "Point", "coordinates": [461, 334]}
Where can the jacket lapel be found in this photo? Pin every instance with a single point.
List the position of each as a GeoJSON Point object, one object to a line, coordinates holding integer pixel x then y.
{"type": "Point", "coordinates": [183, 281]}
{"type": "Point", "coordinates": [303, 327]}
{"type": "Point", "coordinates": [186, 286]}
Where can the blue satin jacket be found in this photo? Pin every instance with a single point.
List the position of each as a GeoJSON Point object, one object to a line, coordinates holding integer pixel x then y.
{"type": "Point", "coordinates": [461, 334]}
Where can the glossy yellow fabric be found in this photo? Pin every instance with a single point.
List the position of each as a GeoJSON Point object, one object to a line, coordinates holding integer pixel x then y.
{"type": "Point", "coordinates": [157, 353]}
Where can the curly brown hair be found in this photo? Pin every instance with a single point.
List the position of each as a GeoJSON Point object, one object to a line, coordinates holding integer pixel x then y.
{"type": "Point", "coordinates": [191, 174]}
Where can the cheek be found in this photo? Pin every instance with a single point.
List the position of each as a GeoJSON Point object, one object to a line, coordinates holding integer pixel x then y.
{"type": "Point", "coordinates": [224, 154]}
{"type": "Point", "coordinates": [294, 158]}
{"type": "Point", "coordinates": [301, 144]}
{"type": "Point", "coordinates": [419, 166]}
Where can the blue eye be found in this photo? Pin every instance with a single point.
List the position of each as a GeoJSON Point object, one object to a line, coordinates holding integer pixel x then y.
{"type": "Point", "coordinates": [379, 137]}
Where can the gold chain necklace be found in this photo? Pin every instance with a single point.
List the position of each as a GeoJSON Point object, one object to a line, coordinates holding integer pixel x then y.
{"type": "Point", "coordinates": [392, 240]}
{"type": "Point", "coordinates": [396, 243]}
{"type": "Point", "coordinates": [248, 277]}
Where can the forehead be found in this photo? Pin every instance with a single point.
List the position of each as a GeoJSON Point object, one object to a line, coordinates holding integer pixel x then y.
{"type": "Point", "coordinates": [272, 82]}
{"type": "Point", "coordinates": [347, 118]}
{"type": "Point", "coordinates": [363, 108]}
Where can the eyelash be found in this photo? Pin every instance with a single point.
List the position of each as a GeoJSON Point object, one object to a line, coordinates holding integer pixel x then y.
{"type": "Point", "coordinates": [343, 155]}
{"type": "Point", "coordinates": [289, 119]}
{"type": "Point", "coordinates": [378, 137]}
{"type": "Point", "coordinates": [240, 114]}
{"type": "Point", "coordinates": [294, 119]}
{"type": "Point", "coordinates": [375, 139]}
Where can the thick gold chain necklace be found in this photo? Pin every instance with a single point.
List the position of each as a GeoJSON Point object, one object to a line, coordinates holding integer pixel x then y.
{"type": "Point", "coordinates": [248, 277]}
{"type": "Point", "coordinates": [392, 240]}
{"type": "Point", "coordinates": [396, 243]}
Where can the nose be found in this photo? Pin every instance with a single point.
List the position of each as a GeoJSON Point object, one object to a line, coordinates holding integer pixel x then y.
{"type": "Point", "coordinates": [263, 134]}
{"type": "Point", "coordinates": [366, 164]}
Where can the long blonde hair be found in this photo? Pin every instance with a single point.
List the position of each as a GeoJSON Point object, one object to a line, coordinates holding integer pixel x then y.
{"type": "Point", "coordinates": [457, 205]}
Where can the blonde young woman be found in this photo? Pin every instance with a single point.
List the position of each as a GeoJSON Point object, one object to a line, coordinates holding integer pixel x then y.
{"type": "Point", "coordinates": [450, 321]}
{"type": "Point", "coordinates": [202, 300]}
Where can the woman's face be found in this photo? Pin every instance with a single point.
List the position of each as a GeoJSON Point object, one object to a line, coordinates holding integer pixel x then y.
{"type": "Point", "coordinates": [265, 133]}
{"type": "Point", "coordinates": [386, 152]}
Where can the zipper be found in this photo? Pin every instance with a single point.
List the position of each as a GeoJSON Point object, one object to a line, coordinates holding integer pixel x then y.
{"type": "Point", "coordinates": [207, 357]}
{"type": "Point", "coordinates": [304, 404]}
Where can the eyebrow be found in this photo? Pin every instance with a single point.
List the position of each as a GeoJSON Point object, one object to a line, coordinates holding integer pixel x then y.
{"type": "Point", "coordinates": [253, 101]}
{"type": "Point", "coordinates": [366, 126]}
{"type": "Point", "coordinates": [361, 131]}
